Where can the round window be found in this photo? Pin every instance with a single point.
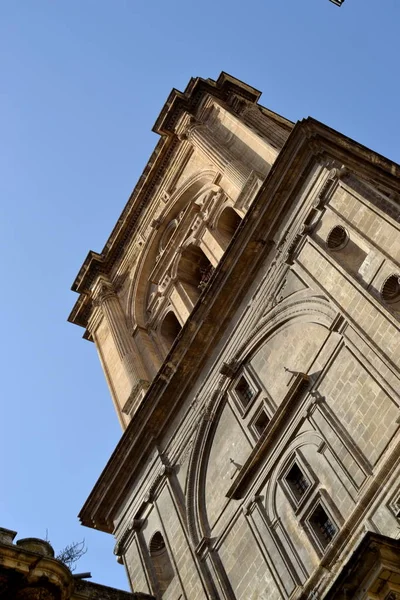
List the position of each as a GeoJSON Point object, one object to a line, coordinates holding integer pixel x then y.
{"type": "Point", "coordinates": [390, 291]}
{"type": "Point", "coordinates": [337, 238]}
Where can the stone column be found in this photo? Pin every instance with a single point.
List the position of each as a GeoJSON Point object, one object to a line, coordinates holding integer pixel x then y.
{"type": "Point", "coordinates": [150, 353]}
{"type": "Point", "coordinates": [106, 298]}
{"type": "Point", "coordinates": [225, 161]}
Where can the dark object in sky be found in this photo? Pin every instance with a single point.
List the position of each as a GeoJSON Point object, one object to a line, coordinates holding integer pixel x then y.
{"type": "Point", "coordinates": [337, 2]}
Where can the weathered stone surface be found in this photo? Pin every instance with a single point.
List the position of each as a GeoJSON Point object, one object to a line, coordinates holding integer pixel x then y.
{"type": "Point", "coordinates": [246, 273]}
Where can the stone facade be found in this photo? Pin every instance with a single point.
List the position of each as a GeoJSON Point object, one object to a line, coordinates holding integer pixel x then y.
{"type": "Point", "coordinates": [246, 313]}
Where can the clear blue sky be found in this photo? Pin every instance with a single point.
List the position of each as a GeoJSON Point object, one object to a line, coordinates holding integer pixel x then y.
{"type": "Point", "coordinates": [82, 82]}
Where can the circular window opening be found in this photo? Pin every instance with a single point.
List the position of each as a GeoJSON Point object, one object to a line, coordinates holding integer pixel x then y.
{"type": "Point", "coordinates": [337, 238]}
{"type": "Point", "coordinates": [390, 291]}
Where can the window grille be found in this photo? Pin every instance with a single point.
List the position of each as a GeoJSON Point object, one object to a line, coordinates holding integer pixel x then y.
{"type": "Point", "coordinates": [244, 392]}
{"type": "Point", "coordinates": [297, 481]}
{"type": "Point", "coordinates": [322, 525]}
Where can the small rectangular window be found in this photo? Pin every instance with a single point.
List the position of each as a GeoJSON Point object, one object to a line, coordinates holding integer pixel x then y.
{"type": "Point", "coordinates": [260, 423]}
{"type": "Point", "coordinates": [297, 481]}
{"type": "Point", "coordinates": [322, 525]}
{"type": "Point", "coordinates": [244, 392]}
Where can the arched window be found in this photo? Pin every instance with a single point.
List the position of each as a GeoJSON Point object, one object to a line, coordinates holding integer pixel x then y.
{"type": "Point", "coordinates": [161, 562]}
{"type": "Point", "coordinates": [170, 329]}
{"type": "Point", "coordinates": [227, 224]}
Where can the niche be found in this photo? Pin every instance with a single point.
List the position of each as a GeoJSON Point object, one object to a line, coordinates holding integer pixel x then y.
{"type": "Point", "coordinates": [170, 329]}
{"type": "Point", "coordinates": [227, 224]}
{"type": "Point", "coordinates": [161, 562]}
{"type": "Point", "coordinates": [390, 291]}
{"type": "Point", "coordinates": [194, 271]}
{"type": "Point", "coordinates": [349, 251]}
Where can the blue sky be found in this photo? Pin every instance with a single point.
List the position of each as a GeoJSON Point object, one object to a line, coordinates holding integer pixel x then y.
{"type": "Point", "coordinates": [82, 82]}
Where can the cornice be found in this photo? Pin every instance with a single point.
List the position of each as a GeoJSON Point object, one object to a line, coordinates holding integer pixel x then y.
{"type": "Point", "coordinates": [309, 142]}
{"type": "Point", "coordinates": [95, 263]}
{"type": "Point", "coordinates": [179, 102]}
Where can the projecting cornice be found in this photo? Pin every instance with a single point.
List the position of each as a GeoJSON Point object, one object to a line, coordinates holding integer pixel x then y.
{"type": "Point", "coordinates": [309, 144]}
{"type": "Point", "coordinates": [178, 102]}
{"type": "Point", "coordinates": [225, 88]}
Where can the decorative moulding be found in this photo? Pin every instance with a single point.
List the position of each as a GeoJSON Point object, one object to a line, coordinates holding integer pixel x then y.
{"type": "Point", "coordinates": [282, 416]}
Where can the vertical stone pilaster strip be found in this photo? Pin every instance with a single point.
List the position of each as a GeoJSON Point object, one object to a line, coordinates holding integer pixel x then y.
{"type": "Point", "coordinates": [253, 117]}
{"type": "Point", "coordinates": [112, 311]}
{"type": "Point", "coordinates": [150, 353]}
{"type": "Point", "coordinates": [225, 161]}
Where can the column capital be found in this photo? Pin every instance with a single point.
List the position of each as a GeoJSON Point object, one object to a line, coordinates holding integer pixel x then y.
{"type": "Point", "coordinates": [102, 291]}
{"type": "Point", "coordinates": [189, 125]}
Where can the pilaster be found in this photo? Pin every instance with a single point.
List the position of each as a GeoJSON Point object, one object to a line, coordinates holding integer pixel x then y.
{"type": "Point", "coordinates": [107, 301]}
{"type": "Point", "coordinates": [253, 117]}
{"type": "Point", "coordinates": [200, 136]}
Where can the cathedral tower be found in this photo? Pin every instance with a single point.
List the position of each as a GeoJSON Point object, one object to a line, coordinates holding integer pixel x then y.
{"type": "Point", "coordinates": [245, 310]}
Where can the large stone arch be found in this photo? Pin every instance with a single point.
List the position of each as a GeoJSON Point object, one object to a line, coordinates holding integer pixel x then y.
{"type": "Point", "coordinates": [305, 307]}
{"type": "Point", "coordinates": [198, 523]}
{"type": "Point", "coordinates": [312, 310]}
{"type": "Point", "coordinates": [189, 192]}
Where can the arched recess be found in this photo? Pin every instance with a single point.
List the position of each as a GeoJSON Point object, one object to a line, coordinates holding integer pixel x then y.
{"type": "Point", "coordinates": [311, 438]}
{"type": "Point", "coordinates": [283, 539]}
{"type": "Point", "coordinates": [161, 562]}
{"type": "Point", "coordinates": [193, 270]}
{"type": "Point", "coordinates": [191, 191]}
{"type": "Point", "coordinates": [313, 311]}
{"type": "Point", "coordinates": [287, 340]}
{"type": "Point", "coordinates": [198, 524]}
{"type": "Point", "coordinates": [306, 308]}
{"type": "Point", "coordinates": [169, 330]}
{"type": "Point", "coordinates": [221, 226]}
{"type": "Point", "coordinates": [226, 225]}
